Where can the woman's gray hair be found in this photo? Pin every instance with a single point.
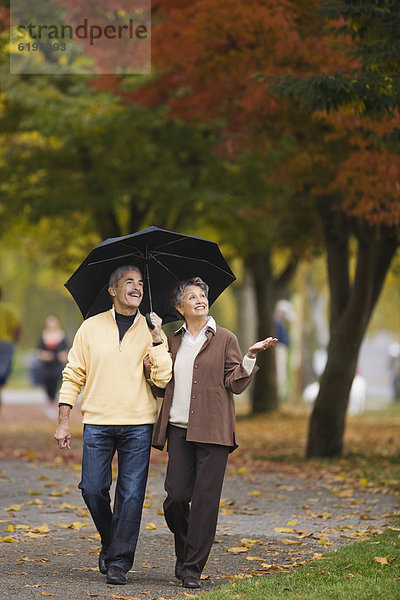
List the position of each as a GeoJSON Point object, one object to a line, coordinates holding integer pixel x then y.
{"type": "Point", "coordinates": [178, 292]}
{"type": "Point", "coordinates": [119, 272]}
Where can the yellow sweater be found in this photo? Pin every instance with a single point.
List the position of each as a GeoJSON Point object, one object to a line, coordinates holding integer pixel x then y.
{"type": "Point", "coordinates": [8, 322]}
{"type": "Point", "coordinates": [116, 391]}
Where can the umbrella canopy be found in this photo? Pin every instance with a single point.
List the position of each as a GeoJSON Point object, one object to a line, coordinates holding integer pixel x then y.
{"type": "Point", "coordinates": [163, 257]}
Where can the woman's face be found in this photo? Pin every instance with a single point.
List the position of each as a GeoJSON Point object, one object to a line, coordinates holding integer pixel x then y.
{"type": "Point", "coordinates": [194, 303]}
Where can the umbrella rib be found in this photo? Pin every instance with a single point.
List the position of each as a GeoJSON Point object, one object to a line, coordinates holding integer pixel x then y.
{"type": "Point", "coordinates": [96, 262]}
{"type": "Point", "coordinates": [164, 266]}
{"type": "Point", "coordinates": [163, 245]}
{"type": "Point", "coordinates": [152, 255]}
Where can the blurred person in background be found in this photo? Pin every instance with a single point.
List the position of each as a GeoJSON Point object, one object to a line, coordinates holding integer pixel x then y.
{"type": "Point", "coordinates": [10, 332]}
{"type": "Point", "coordinates": [197, 418]}
{"type": "Point", "coordinates": [394, 370]}
{"type": "Point", "coordinates": [52, 352]}
{"type": "Point", "coordinates": [283, 315]}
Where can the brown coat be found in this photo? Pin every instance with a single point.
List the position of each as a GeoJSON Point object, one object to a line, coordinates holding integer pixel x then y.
{"type": "Point", "coordinates": [218, 373]}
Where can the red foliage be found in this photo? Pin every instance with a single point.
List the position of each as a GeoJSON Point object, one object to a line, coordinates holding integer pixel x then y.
{"type": "Point", "coordinates": [207, 54]}
{"type": "Point", "coordinates": [370, 185]}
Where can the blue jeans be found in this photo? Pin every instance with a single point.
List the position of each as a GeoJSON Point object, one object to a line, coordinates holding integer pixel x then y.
{"type": "Point", "coordinates": [118, 528]}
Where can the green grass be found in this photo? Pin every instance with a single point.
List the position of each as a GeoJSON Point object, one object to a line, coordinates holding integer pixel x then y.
{"type": "Point", "coordinates": [368, 569]}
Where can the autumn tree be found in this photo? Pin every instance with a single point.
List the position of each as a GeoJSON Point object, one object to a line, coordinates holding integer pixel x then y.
{"type": "Point", "coordinates": [360, 210]}
{"type": "Point", "coordinates": [207, 56]}
{"type": "Point", "coordinates": [72, 152]}
{"type": "Point", "coordinates": [369, 31]}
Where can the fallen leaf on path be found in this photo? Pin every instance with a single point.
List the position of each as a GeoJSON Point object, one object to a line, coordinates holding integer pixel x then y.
{"type": "Point", "coordinates": [284, 530]}
{"type": "Point", "coordinates": [74, 525]}
{"type": "Point", "coordinates": [223, 503]}
{"type": "Point", "coordinates": [304, 534]}
{"type": "Point", "coordinates": [249, 543]}
{"type": "Point", "coordinates": [289, 542]}
{"type": "Point", "coordinates": [34, 535]}
{"type": "Point", "coordinates": [237, 549]}
{"type": "Point", "coordinates": [41, 529]}
{"type": "Point", "coordinates": [151, 526]}
{"type": "Point", "coordinates": [124, 597]}
{"type": "Point", "coordinates": [8, 539]}
{"type": "Point", "coordinates": [242, 470]}
{"type": "Point", "coordinates": [13, 508]}
{"type": "Point", "coordinates": [226, 511]}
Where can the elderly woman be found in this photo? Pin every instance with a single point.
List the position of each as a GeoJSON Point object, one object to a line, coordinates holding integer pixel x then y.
{"type": "Point", "coordinates": [197, 418]}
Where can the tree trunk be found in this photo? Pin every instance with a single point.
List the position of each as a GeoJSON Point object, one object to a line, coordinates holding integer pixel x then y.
{"type": "Point", "coordinates": [351, 308]}
{"type": "Point", "coordinates": [264, 393]}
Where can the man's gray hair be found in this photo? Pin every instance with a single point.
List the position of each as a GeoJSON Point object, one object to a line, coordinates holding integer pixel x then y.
{"type": "Point", "coordinates": [119, 272]}
{"type": "Point", "coordinates": [178, 292]}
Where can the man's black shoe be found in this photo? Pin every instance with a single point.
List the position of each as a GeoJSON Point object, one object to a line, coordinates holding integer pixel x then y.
{"type": "Point", "coordinates": [102, 561]}
{"type": "Point", "coordinates": [116, 576]}
{"type": "Point", "coordinates": [191, 582]}
{"type": "Point", "coordinates": [178, 569]}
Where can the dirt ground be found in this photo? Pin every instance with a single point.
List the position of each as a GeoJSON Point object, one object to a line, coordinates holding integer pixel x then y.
{"type": "Point", "coordinates": [271, 518]}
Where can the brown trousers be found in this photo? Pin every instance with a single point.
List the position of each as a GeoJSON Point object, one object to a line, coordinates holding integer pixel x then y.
{"type": "Point", "coordinates": [193, 482]}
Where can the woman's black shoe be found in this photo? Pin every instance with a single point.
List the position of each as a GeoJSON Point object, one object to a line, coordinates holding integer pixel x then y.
{"type": "Point", "coordinates": [116, 576]}
{"type": "Point", "coordinates": [191, 582]}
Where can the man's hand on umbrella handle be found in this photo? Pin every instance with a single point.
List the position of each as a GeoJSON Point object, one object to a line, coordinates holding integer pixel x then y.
{"type": "Point", "coordinates": [260, 346]}
{"type": "Point", "coordinates": [63, 436]}
{"type": "Point", "coordinates": [156, 331]}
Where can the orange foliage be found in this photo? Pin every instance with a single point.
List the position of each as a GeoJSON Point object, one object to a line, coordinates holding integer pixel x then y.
{"type": "Point", "coordinates": [206, 55]}
{"type": "Point", "coordinates": [370, 184]}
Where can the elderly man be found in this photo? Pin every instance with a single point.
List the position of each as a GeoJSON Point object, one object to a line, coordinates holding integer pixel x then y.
{"type": "Point", "coordinates": [118, 411]}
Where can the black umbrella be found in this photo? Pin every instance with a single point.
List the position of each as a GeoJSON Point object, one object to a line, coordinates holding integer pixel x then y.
{"type": "Point", "coordinates": [164, 258]}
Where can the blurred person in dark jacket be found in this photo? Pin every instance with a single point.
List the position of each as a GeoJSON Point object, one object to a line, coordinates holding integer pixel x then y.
{"type": "Point", "coordinates": [52, 352]}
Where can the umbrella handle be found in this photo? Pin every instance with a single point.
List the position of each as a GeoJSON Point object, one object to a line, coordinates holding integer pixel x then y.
{"type": "Point", "coordinates": [148, 321]}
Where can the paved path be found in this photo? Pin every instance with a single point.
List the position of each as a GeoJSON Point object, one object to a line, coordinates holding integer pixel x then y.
{"type": "Point", "coordinates": [266, 520]}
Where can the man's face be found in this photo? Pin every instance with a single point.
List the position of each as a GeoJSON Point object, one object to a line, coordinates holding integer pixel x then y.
{"type": "Point", "coordinates": [128, 293]}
